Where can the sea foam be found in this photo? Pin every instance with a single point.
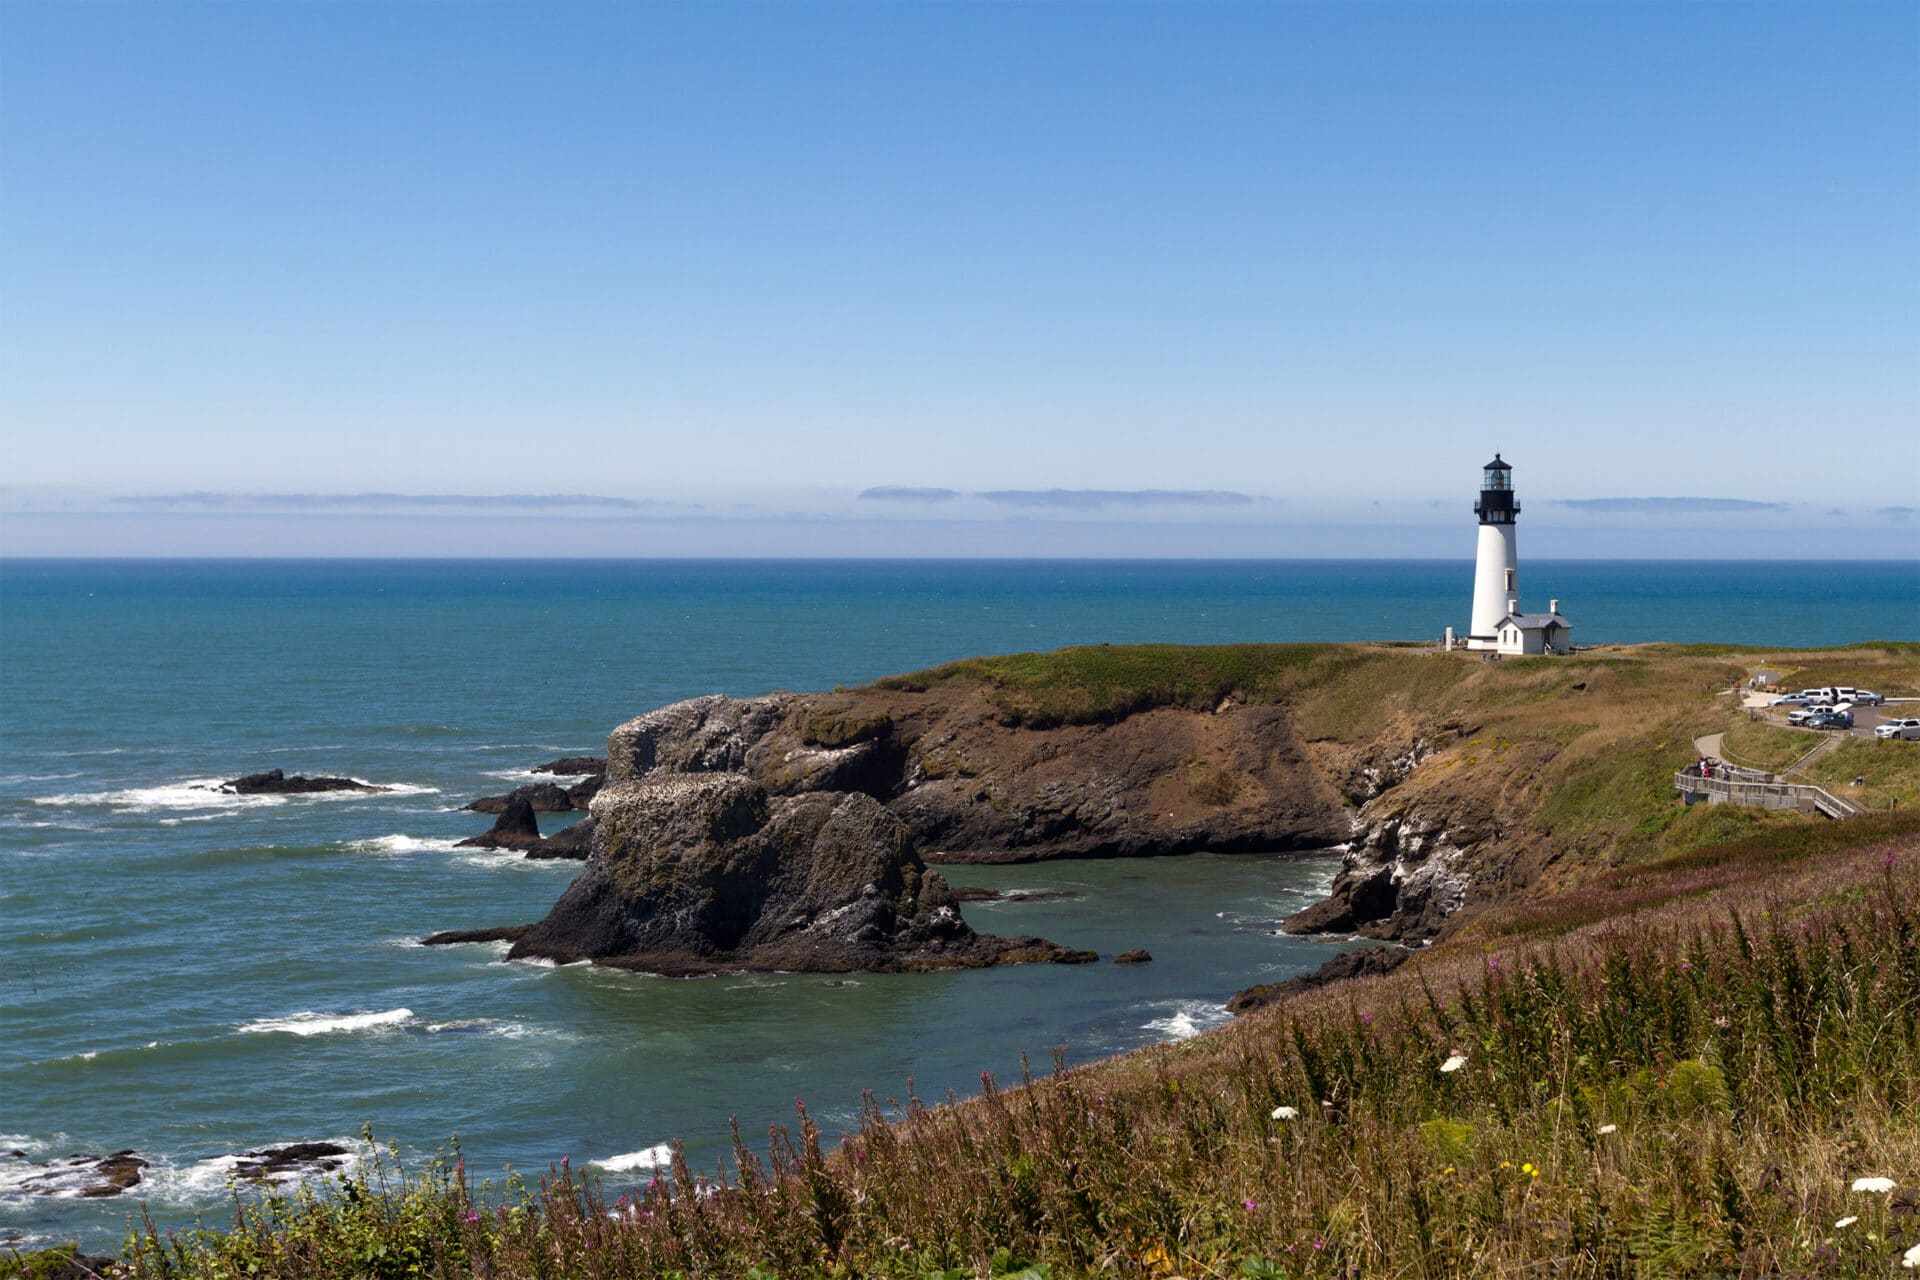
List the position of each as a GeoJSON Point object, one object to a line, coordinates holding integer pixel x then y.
{"type": "Point", "coordinates": [1187, 1019]}
{"type": "Point", "coordinates": [400, 844]}
{"type": "Point", "coordinates": [205, 793]}
{"type": "Point", "coordinates": [320, 1024]}
{"type": "Point", "coordinates": [652, 1158]}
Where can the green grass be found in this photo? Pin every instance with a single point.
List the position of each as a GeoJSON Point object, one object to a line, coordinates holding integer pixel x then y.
{"type": "Point", "coordinates": [1891, 771]}
{"type": "Point", "coordinates": [1758, 745]}
{"type": "Point", "coordinates": [1098, 684]}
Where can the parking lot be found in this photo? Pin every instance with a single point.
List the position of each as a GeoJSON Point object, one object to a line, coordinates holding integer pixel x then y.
{"type": "Point", "coordinates": [1864, 718]}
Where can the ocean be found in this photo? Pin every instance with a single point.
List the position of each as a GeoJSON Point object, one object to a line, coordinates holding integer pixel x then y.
{"type": "Point", "coordinates": [192, 975]}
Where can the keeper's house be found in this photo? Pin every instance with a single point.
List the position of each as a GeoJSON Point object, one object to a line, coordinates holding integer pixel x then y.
{"type": "Point", "coordinates": [1524, 633]}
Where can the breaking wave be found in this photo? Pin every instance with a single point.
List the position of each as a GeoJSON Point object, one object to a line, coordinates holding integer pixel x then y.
{"type": "Point", "coordinates": [1187, 1018]}
{"type": "Point", "coordinates": [321, 1024]}
{"type": "Point", "coordinates": [652, 1158]}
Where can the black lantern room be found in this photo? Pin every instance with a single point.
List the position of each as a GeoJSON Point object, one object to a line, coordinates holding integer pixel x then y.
{"type": "Point", "coordinates": [1496, 505]}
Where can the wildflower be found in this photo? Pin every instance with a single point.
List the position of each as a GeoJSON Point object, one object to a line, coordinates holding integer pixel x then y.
{"type": "Point", "coordinates": [1847, 1221]}
{"type": "Point", "coordinates": [1529, 1170]}
{"type": "Point", "coordinates": [1453, 1064]}
{"type": "Point", "coordinates": [1879, 1186]}
{"type": "Point", "coordinates": [1607, 1128]}
{"type": "Point", "coordinates": [1251, 1204]}
{"type": "Point", "coordinates": [1285, 1113]}
{"type": "Point", "coordinates": [472, 1216]}
{"type": "Point", "coordinates": [1911, 1259]}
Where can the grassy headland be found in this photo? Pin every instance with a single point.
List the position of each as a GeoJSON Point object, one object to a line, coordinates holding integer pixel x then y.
{"type": "Point", "coordinates": [1672, 1052]}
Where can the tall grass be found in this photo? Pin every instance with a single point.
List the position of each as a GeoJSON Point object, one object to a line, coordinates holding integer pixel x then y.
{"type": "Point", "coordinates": [1685, 1091]}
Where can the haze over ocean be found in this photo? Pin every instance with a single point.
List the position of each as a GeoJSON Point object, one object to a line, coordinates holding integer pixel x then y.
{"type": "Point", "coordinates": [192, 975]}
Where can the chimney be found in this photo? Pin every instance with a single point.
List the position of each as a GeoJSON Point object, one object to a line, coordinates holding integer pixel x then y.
{"type": "Point", "coordinates": [1553, 606]}
{"type": "Point", "coordinates": [1513, 604]}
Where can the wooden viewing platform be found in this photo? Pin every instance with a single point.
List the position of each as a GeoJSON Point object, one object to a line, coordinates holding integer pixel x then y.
{"type": "Point", "coordinates": [1731, 784]}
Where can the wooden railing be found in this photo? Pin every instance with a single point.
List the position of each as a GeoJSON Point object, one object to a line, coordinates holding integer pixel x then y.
{"type": "Point", "coordinates": [1754, 787]}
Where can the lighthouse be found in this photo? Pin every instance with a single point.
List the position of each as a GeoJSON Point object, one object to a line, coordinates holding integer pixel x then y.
{"type": "Point", "coordinates": [1498, 623]}
{"type": "Point", "coordinates": [1496, 566]}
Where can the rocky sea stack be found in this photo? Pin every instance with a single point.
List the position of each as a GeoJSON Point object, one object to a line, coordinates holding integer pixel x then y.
{"type": "Point", "coordinates": [275, 782]}
{"type": "Point", "coordinates": [696, 873]}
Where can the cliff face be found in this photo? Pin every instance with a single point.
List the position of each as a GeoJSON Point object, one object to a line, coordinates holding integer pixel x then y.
{"type": "Point", "coordinates": [701, 872]}
{"type": "Point", "coordinates": [1448, 782]}
{"type": "Point", "coordinates": [971, 788]}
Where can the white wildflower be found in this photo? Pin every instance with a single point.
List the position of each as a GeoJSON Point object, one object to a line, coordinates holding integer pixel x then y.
{"type": "Point", "coordinates": [1605, 1129]}
{"type": "Point", "coordinates": [1845, 1222]}
{"type": "Point", "coordinates": [1285, 1113]}
{"type": "Point", "coordinates": [1879, 1186]}
{"type": "Point", "coordinates": [1911, 1259]}
{"type": "Point", "coordinates": [1453, 1064]}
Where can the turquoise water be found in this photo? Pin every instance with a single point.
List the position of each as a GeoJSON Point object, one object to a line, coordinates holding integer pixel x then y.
{"type": "Point", "coordinates": [192, 975]}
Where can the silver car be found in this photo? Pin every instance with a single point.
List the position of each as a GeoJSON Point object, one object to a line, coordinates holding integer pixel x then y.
{"type": "Point", "coordinates": [1906, 728]}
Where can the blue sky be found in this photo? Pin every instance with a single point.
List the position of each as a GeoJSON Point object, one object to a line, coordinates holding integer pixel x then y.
{"type": "Point", "coordinates": [705, 275]}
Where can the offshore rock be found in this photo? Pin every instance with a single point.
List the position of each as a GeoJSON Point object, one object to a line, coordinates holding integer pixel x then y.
{"type": "Point", "coordinates": [572, 766]}
{"type": "Point", "coordinates": [87, 1177]}
{"type": "Point", "coordinates": [575, 841]}
{"type": "Point", "coordinates": [515, 828]}
{"type": "Point", "coordinates": [275, 783]}
{"type": "Point", "coordinates": [545, 797]}
{"type": "Point", "coordinates": [697, 872]}
{"type": "Point", "coordinates": [295, 1160]}
{"type": "Point", "coordinates": [452, 937]}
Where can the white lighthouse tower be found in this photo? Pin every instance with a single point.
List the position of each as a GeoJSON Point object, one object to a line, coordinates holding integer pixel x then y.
{"type": "Point", "coordinates": [1496, 566]}
{"type": "Point", "coordinates": [1498, 623]}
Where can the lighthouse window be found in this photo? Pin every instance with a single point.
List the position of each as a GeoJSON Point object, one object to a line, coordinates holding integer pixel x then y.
{"type": "Point", "coordinates": [1510, 579]}
{"type": "Point", "coordinates": [1495, 480]}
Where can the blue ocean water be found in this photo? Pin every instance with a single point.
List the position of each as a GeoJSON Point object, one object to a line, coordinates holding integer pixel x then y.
{"type": "Point", "coordinates": [191, 975]}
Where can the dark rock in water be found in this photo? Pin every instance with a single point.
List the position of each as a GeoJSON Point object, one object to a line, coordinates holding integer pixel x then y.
{"type": "Point", "coordinates": [85, 1176]}
{"type": "Point", "coordinates": [275, 783]}
{"type": "Point", "coordinates": [545, 797]}
{"type": "Point", "coordinates": [572, 766]}
{"type": "Point", "coordinates": [979, 893]}
{"type": "Point", "coordinates": [1138, 956]}
{"type": "Point", "coordinates": [581, 793]}
{"type": "Point", "coordinates": [706, 872]}
{"type": "Point", "coordinates": [297, 1159]}
{"type": "Point", "coordinates": [1348, 964]}
{"type": "Point", "coordinates": [1352, 901]}
{"type": "Point", "coordinates": [574, 841]}
{"type": "Point", "coordinates": [62, 1262]}
{"type": "Point", "coordinates": [516, 828]}
{"type": "Point", "coordinates": [505, 933]}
